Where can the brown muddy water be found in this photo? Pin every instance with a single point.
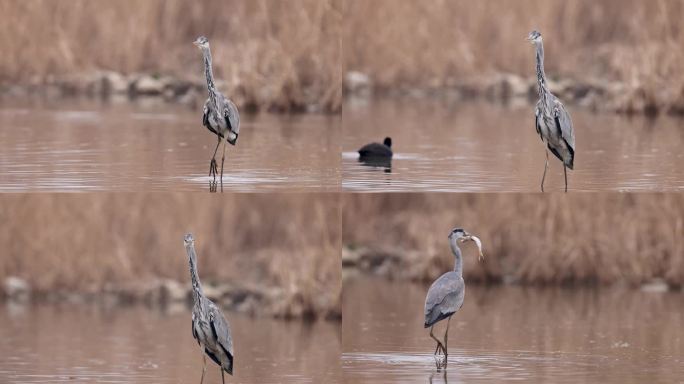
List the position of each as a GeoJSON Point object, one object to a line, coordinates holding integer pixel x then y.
{"type": "Point", "coordinates": [84, 344]}
{"type": "Point", "coordinates": [444, 145]}
{"type": "Point", "coordinates": [153, 146]}
{"type": "Point", "coordinates": [510, 333]}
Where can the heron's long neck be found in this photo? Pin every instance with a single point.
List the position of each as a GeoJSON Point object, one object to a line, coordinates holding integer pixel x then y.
{"type": "Point", "coordinates": [209, 74]}
{"type": "Point", "coordinates": [196, 285]}
{"type": "Point", "coordinates": [541, 76]}
{"type": "Point", "coordinates": [458, 260]}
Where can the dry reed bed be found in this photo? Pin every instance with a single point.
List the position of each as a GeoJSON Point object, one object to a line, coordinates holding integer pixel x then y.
{"type": "Point", "coordinates": [92, 242]}
{"type": "Point", "coordinates": [527, 238]}
{"type": "Point", "coordinates": [405, 43]}
{"type": "Point", "coordinates": [277, 54]}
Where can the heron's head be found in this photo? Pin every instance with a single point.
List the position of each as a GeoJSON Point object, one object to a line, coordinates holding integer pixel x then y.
{"type": "Point", "coordinates": [201, 42]}
{"type": "Point", "coordinates": [461, 236]}
{"type": "Point", "coordinates": [458, 234]}
{"type": "Point", "coordinates": [534, 37]}
{"type": "Point", "coordinates": [188, 240]}
{"type": "Point", "coordinates": [388, 141]}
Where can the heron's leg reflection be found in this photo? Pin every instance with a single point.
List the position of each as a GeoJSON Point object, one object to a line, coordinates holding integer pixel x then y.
{"type": "Point", "coordinates": [439, 343]}
{"type": "Point", "coordinates": [546, 165]}
{"type": "Point", "coordinates": [204, 366]}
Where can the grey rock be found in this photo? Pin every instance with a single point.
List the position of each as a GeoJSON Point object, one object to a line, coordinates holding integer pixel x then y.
{"type": "Point", "coordinates": [148, 85]}
{"type": "Point", "coordinates": [655, 286]}
{"type": "Point", "coordinates": [173, 291]}
{"type": "Point", "coordinates": [17, 288]}
{"type": "Point", "coordinates": [114, 83]}
{"type": "Point", "coordinates": [357, 83]}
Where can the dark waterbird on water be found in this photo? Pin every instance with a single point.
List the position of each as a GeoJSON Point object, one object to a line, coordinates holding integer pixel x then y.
{"type": "Point", "coordinates": [209, 327]}
{"type": "Point", "coordinates": [377, 150]}
{"type": "Point", "coordinates": [445, 296]}
{"type": "Point", "coordinates": [220, 115]}
{"type": "Point", "coordinates": [377, 155]}
{"type": "Point", "coordinates": [551, 120]}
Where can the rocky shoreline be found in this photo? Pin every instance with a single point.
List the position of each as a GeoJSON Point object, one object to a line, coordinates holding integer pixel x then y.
{"type": "Point", "coordinates": [594, 94]}
{"type": "Point", "coordinates": [252, 300]}
{"type": "Point", "coordinates": [113, 85]}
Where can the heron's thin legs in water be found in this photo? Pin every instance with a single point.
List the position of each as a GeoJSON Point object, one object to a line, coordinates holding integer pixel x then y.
{"type": "Point", "coordinates": [439, 343]}
{"type": "Point", "coordinates": [546, 165]}
{"type": "Point", "coordinates": [565, 173]}
{"type": "Point", "coordinates": [446, 335]}
{"type": "Point", "coordinates": [222, 379]}
{"type": "Point", "coordinates": [223, 159]}
{"type": "Point", "coordinates": [204, 366]}
{"type": "Point", "coordinates": [212, 165]}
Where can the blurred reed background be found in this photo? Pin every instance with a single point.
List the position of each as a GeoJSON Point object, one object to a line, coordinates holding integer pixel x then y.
{"type": "Point", "coordinates": [427, 44]}
{"type": "Point", "coordinates": [599, 238]}
{"type": "Point", "coordinates": [279, 53]}
{"type": "Point", "coordinates": [91, 242]}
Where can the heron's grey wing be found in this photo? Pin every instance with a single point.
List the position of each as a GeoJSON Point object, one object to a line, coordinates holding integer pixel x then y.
{"type": "Point", "coordinates": [205, 117]}
{"type": "Point", "coordinates": [537, 112]}
{"type": "Point", "coordinates": [444, 297]}
{"type": "Point", "coordinates": [231, 115]}
{"type": "Point", "coordinates": [194, 333]}
{"type": "Point", "coordinates": [205, 114]}
{"type": "Point", "coordinates": [221, 330]}
{"type": "Point", "coordinates": [564, 124]}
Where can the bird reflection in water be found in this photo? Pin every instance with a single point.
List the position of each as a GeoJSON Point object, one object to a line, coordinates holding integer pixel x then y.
{"type": "Point", "coordinates": [440, 372]}
{"type": "Point", "coordinates": [374, 162]}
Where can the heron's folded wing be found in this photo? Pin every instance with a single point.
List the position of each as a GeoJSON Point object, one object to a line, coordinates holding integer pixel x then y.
{"type": "Point", "coordinates": [445, 292]}
{"type": "Point", "coordinates": [221, 329]}
{"type": "Point", "coordinates": [564, 123]}
{"type": "Point", "coordinates": [192, 324]}
{"type": "Point", "coordinates": [205, 114]}
{"type": "Point", "coordinates": [205, 117]}
{"type": "Point", "coordinates": [537, 112]}
{"type": "Point", "coordinates": [231, 115]}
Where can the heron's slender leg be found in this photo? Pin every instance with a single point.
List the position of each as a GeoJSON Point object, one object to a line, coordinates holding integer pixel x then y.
{"type": "Point", "coordinates": [222, 379]}
{"type": "Point", "coordinates": [439, 343]}
{"type": "Point", "coordinates": [223, 159]}
{"type": "Point", "coordinates": [546, 165]}
{"type": "Point", "coordinates": [204, 366]}
{"type": "Point", "coordinates": [446, 335]}
{"type": "Point", "coordinates": [565, 173]}
{"type": "Point", "coordinates": [212, 164]}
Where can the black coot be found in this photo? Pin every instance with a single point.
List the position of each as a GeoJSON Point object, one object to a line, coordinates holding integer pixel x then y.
{"type": "Point", "coordinates": [377, 150]}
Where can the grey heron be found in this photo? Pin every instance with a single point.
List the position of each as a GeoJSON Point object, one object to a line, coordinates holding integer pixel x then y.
{"type": "Point", "coordinates": [445, 296]}
{"type": "Point", "coordinates": [377, 150]}
{"type": "Point", "coordinates": [220, 115]}
{"type": "Point", "coordinates": [209, 327]}
{"type": "Point", "coordinates": [552, 121]}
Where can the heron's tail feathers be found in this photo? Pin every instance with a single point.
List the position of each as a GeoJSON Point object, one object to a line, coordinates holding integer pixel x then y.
{"type": "Point", "coordinates": [570, 162]}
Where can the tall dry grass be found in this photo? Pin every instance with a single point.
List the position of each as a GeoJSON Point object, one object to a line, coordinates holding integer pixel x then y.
{"type": "Point", "coordinates": [531, 238]}
{"type": "Point", "coordinates": [269, 52]}
{"type": "Point", "coordinates": [87, 242]}
{"type": "Point", "coordinates": [424, 43]}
